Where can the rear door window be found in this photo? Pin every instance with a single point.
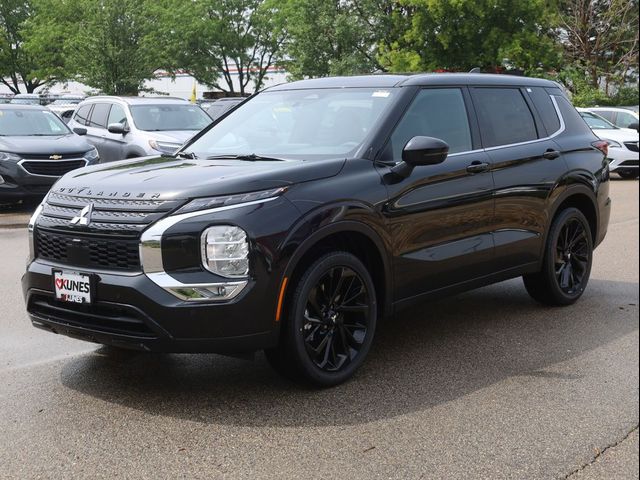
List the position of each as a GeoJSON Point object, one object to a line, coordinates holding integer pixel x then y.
{"type": "Point", "coordinates": [546, 110]}
{"type": "Point", "coordinates": [504, 116]}
{"type": "Point", "coordinates": [435, 112]}
{"type": "Point", "coordinates": [99, 115]}
{"type": "Point", "coordinates": [82, 114]}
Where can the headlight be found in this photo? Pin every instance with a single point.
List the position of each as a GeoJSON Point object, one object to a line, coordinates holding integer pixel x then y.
{"type": "Point", "coordinates": [9, 156]}
{"type": "Point", "coordinates": [225, 251]}
{"type": "Point", "coordinates": [91, 156]}
{"type": "Point", "coordinates": [613, 143]}
{"type": "Point", "coordinates": [164, 147]}
{"type": "Point", "coordinates": [223, 201]}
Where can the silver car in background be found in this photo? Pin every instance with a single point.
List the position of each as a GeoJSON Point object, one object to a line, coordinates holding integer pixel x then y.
{"type": "Point", "coordinates": [130, 127]}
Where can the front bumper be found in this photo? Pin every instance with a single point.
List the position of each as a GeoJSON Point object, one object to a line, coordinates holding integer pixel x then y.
{"type": "Point", "coordinates": [622, 159]}
{"type": "Point", "coordinates": [131, 311]}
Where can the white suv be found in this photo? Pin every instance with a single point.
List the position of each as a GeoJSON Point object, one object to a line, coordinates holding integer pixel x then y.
{"type": "Point", "coordinates": [130, 127]}
{"type": "Point", "coordinates": [620, 117]}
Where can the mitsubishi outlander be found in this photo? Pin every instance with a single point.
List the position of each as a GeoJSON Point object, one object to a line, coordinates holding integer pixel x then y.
{"type": "Point", "coordinates": [298, 220]}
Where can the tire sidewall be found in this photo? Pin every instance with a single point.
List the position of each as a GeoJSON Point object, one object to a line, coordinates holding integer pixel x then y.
{"type": "Point", "coordinates": [295, 320]}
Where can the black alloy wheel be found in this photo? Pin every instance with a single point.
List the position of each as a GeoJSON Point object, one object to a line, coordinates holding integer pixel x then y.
{"type": "Point", "coordinates": [329, 323]}
{"type": "Point", "coordinates": [567, 261]}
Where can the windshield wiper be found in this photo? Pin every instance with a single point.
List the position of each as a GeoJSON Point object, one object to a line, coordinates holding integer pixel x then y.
{"type": "Point", "coordinates": [246, 158]}
{"type": "Point", "coordinates": [187, 155]}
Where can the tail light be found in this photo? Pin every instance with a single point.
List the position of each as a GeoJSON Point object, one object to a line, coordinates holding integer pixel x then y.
{"type": "Point", "coordinates": [602, 146]}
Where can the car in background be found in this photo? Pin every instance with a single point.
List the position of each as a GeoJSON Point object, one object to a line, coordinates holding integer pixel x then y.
{"type": "Point", "coordinates": [221, 106]}
{"type": "Point", "coordinates": [26, 99]}
{"type": "Point", "coordinates": [5, 98]}
{"type": "Point", "coordinates": [131, 127]}
{"type": "Point", "coordinates": [623, 117]}
{"type": "Point", "coordinates": [623, 144]}
{"type": "Point", "coordinates": [36, 148]}
{"type": "Point", "coordinates": [65, 105]}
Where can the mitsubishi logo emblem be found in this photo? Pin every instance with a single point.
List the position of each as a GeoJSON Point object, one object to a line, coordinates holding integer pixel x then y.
{"type": "Point", "coordinates": [85, 216]}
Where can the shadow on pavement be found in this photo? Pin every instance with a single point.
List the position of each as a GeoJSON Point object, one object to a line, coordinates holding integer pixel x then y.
{"type": "Point", "coordinates": [429, 355]}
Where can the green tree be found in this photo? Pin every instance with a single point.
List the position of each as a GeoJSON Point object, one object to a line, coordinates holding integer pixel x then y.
{"type": "Point", "coordinates": [17, 64]}
{"type": "Point", "coordinates": [104, 43]}
{"type": "Point", "coordinates": [463, 34]}
{"type": "Point", "coordinates": [225, 44]}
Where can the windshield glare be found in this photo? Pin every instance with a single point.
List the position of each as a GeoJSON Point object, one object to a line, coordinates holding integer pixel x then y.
{"type": "Point", "coordinates": [155, 118]}
{"type": "Point", "coordinates": [21, 122]}
{"type": "Point", "coordinates": [595, 122]}
{"type": "Point", "coordinates": [322, 122]}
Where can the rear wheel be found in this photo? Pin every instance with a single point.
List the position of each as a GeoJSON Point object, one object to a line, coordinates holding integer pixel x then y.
{"type": "Point", "coordinates": [567, 261]}
{"type": "Point", "coordinates": [330, 322]}
{"type": "Point", "coordinates": [628, 174]}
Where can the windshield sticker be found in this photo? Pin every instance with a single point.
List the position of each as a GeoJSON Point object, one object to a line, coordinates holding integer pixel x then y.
{"type": "Point", "coordinates": [381, 93]}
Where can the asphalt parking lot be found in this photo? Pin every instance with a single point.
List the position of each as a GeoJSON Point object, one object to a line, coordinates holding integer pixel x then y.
{"type": "Point", "coordinates": [485, 385]}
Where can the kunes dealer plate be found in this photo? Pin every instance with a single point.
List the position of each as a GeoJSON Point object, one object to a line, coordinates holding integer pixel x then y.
{"type": "Point", "coordinates": [72, 286]}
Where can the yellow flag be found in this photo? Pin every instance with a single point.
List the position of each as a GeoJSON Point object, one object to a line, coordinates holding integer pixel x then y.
{"type": "Point", "coordinates": [193, 93]}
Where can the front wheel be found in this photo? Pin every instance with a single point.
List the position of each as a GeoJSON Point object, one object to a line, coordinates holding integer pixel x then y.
{"type": "Point", "coordinates": [628, 174]}
{"type": "Point", "coordinates": [330, 322]}
{"type": "Point", "coordinates": [567, 261]}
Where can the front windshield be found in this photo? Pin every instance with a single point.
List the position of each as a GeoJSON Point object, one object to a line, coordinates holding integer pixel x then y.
{"type": "Point", "coordinates": [157, 118]}
{"type": "Point", "coordinates": [322, 122]}
{"type": "Point", "coordinates": [596, 122]}
{"type": "Point", "coordinates": [22, 122]}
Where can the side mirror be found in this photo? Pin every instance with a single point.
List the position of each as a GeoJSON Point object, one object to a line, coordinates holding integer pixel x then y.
{"type": "Point", "coordinates": [80, 131]}
{"type": "Point", "coordinates": [420, 151]}
{"type": "Point", "coordinates": [634, 126]}
{"type": "Point", "coordinates": [118, 128]}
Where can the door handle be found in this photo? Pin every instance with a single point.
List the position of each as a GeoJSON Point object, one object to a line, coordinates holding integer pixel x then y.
{"type": "Point", "coordinates": [478, 167]}
{"type": "Point", "coordinates": [551, 154]}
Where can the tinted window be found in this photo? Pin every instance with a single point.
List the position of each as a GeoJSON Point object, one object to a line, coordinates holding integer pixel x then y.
{"type": "Point", "coordinates": [504, 116]}
{"type": "Point", "coordinates": [438, 113]}
{"type": "Point", "coordinates": [82, 114]}
{"type": "Point", "coordinates": [117, 115]}
{"type": "Point", "coordinates": [546, 110]}
{"type": "Point", "coordinates": [99, 115]}
{"type": "Point", "coordinates": [574, 123]}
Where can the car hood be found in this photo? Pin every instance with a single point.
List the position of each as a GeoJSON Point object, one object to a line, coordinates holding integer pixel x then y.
{"type": "Point", "coordinates": [173, 136]}
{"type": "Point", "coordinates": [618, 134]}
{"type": "Point", "coordinates": [171, 178]}
{"type": "Point", "coordinates": [49, 145]}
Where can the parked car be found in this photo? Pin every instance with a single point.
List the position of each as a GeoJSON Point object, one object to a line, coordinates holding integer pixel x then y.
{"type": "Point", "coordinates": [221, 106]}
{"type": "Point", "coordinates": [620, 117]}
{"type": "Point", "coordinates": [5, 98]}
{"type": "Point", "coordinates": [26, 99]}
{"type": "Point", "coordinates": [130, 127]}
{"type": "Point", "coordinates": [317, 207]}
{"type": "Point", "coordinates": [65, 105]}
{"type": "Point", "coordinates": [36, 148]}
{"type": "Point", "coordinates": [623, 144]}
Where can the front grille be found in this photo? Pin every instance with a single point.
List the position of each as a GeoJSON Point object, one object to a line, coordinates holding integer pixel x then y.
{"type": "Point", "coordinates": [90, 252]}
{"type": "Point", "coordinates": [100, 317]}
{"type": "Point", "coordinates": [53, 168]}
{"type": "Point", "coordinates": [629, 163]}
{"type": "Point", "coordinates": [47, 156]}
{"type": "Point", "coordinates": [633, 146]}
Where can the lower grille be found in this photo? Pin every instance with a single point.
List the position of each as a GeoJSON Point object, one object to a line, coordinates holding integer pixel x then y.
{"type": "Point", "coordinates": [100, 317]}
{"type": "Point", "coordinates": [88, 251]}
{"type": "Point", "coordinates": [630, 163]}
{"type": "Point", "coordinates": [633, 146]}
{"type": "Point", "coordinates": [53, 168]}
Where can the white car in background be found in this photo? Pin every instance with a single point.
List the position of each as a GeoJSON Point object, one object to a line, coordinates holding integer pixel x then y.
{"type": "Point", "coordinates": [620, 117]}
{"type": "Point", "coordinates": [623, 144]}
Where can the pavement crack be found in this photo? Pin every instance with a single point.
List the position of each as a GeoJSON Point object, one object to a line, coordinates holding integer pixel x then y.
{"type": "Point", "coordinates": [600, 453]}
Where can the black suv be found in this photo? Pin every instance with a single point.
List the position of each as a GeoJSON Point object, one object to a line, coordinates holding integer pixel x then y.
{"type": "Point", "coordinates": [297, 220]}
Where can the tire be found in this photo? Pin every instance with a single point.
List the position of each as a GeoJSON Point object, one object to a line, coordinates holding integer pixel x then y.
{"type": "Point", "coordinates": [628, 174]}
{"type": "Point", "coordinates": [330, 322]}
{"type": "Point", "coordinates": [566, 266]}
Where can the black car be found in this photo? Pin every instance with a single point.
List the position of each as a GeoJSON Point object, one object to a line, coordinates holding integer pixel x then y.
{"type": "Point", "coordinates": [36, 148]}
{"type": "Point", "coordinates": [317, 208]}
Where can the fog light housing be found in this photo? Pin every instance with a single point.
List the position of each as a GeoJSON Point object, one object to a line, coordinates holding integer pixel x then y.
{"type": "Point", "coordinates": [225, 251]}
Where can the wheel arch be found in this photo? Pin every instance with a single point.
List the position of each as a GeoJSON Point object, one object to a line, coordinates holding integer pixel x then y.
{"type": "Point", "coordinates": [580, 197]}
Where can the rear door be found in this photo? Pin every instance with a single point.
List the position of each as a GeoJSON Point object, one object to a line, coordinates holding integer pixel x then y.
{"type": "Point", "coordinates": [97, 126]}
{"type": "Point", "coordinates": [114, 143]}
{"type": "Point", "coordinates": [526, 164]}
{"type": "Point", "coordinates": [440, 217]}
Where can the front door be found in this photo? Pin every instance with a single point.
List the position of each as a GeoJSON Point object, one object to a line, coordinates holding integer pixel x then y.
{"type": "Point", "coordinates": [440, 216]}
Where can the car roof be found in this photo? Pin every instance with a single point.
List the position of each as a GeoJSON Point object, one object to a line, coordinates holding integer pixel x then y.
{"type": "Point", "coordinates": [614, 109]}
{"type": "Point", "coordinates": [422, 79]}
{"type": "Point", "coordinates": [20, 106]}
{"type": "Point", "coordinates": [137, 100]}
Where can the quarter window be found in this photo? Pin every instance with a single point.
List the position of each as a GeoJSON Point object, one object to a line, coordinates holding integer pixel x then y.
{"type": "Point", "coordinates": [99, 115]}
{"type": "Point", "coordinates": [437, 112]}
{"type": "Point", "coordinates": [546, 110]}
{"type": "Point", "coordinates": [82, 114]}
{"type": "Point", "coordinates": [504, 116]}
